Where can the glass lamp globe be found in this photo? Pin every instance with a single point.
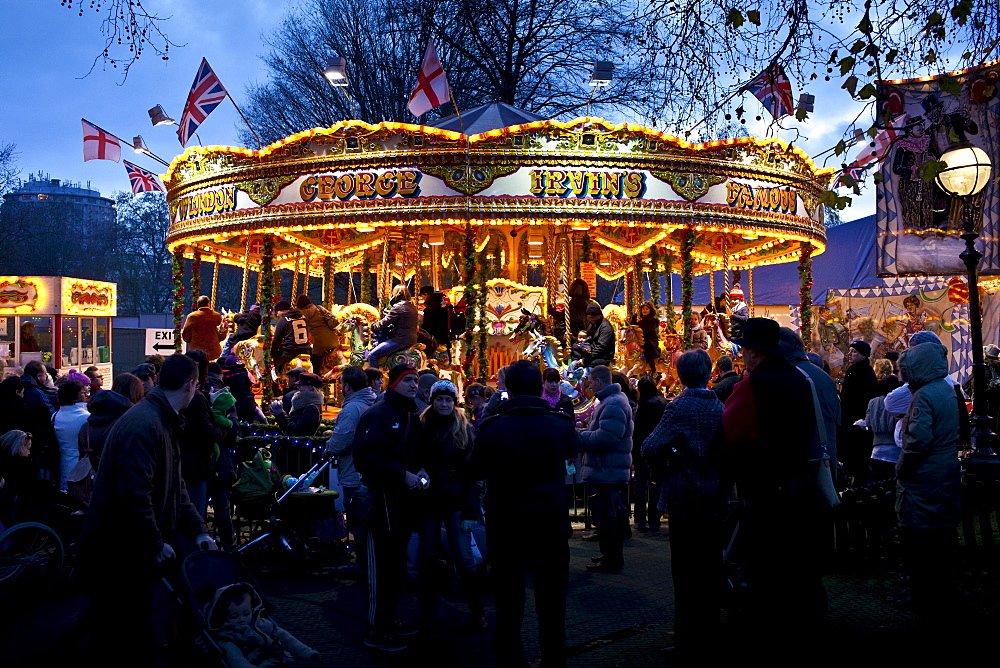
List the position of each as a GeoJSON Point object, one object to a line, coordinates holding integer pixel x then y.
{"type": "Point", "coordinates": [967, 172]}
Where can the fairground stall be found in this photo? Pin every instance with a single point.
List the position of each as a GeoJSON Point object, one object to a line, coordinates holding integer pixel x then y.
{"type": "Point", "coordinates": [520, 211]}
{"type": "Point", "coordinates": [63, 322]}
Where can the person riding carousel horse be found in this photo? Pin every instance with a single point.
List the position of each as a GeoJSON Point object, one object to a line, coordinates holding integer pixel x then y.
{"type": "Point", "coordinates": [398, 329]}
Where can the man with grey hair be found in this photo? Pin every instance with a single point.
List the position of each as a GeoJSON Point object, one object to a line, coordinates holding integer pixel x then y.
{"type": "Point", "coordinates": [606, 467]}
{"type": "Point", "coordinates": [686, 445]}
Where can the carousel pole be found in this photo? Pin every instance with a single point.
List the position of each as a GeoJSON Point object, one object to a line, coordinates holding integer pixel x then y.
{"type": "Point", "coordinates": [384, 274]}
{"type": "Point", "coordinates": [551, 272]}
{"type": "Point", "coordinates": [266, 294]}
{"type": "Point", "coordinates": [295, 277]}
{"type": "Point", "coordinates": [196, 279]}
{"type": "Point", "coordinates": [246, 276]}
{"type": "Point", "coordinates": [215, 279]}
{"type": "Point", "coordinates": [711, 287]}
{"type": "Point", "coordinates": [328, 282]}
{"type": "Point", "coordinates": [750, 290]}
{"type": "Point", "coordinates": [725, 266]}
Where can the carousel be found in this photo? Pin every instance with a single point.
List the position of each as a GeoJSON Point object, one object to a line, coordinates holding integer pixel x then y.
{"type": "Point", "coordinates": [503, 220]}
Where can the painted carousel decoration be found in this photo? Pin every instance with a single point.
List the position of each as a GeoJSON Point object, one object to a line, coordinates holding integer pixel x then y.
{"type": "Point", "coordinates": [502, 206]}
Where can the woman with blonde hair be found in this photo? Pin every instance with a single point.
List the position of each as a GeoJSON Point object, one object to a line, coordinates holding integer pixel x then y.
{"type": "Point", "coordinates": [454, 499]}
{"type": "Point", "coordinates": [398, 329]}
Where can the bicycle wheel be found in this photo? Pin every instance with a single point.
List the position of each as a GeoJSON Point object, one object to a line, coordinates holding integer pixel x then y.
{"type": "Point", "coordinates": [31, 557]}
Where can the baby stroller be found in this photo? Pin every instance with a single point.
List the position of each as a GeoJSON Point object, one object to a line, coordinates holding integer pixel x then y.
{"type": "Point", "coordinates": [202, 574]}
{"type": "Point", "coordinates": [277, 505]}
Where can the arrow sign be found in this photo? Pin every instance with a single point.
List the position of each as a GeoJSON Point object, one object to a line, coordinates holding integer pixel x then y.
{"type": "Point", "coordinates": [159, 341]}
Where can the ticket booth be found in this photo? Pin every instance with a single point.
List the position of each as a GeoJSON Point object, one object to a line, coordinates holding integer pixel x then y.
{"type": "Point", "coordinates": [60, 321]}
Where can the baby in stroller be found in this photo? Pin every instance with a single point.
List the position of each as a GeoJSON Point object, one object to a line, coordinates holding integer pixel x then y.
{"type": "Point", "coordinates": [248, 638]}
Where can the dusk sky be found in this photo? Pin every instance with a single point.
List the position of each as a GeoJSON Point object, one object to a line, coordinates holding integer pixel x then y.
{"type": "Point", "coordinates": [46, 50]}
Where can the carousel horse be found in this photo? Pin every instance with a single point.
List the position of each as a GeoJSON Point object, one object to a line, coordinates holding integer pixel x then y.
{"type": "Point", "coordinates": [720, 345]}
{"type": "Point", "coordinates": [542, 349]}
{"type": "Point", "coordinates": [629, 350]}
{"type": "Point", "coordinates": [355, 324]}
{"type": "Point", "coordinates": [583, 406]}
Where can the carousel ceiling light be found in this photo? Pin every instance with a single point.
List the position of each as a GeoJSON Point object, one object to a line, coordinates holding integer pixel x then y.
{"type": "Point", "coordinates": [336, 71]}
{"type": "Point", "coordinates": [364, 228]}
{"type": "Point", "coordinates": [435, 238]}
{"type": "Point", "coordinates": [535, 239]}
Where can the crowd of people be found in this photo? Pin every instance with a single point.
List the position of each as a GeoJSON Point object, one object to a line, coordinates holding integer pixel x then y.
{"type": "Point", "coordinates": [144, 460]}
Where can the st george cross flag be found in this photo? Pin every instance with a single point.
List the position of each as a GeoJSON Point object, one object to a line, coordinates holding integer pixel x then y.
{"type": "Point", "coordinates": [100, 145]}
{"type": "Point", "coordinates": [883, 142]}
{"type": "Point", "coordinates": [142, 181]}
{"type": "Point", "coordinates": [206, 94]}
{"type": "Point", "coordinates": [774, 91]}
{"type": "Point", "coordinates": [432, 85]}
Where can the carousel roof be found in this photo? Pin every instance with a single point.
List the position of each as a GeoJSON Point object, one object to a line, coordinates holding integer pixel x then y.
{"type": "Point", "coordinates": [487, 117]}
{"type": "Point", "coordinates": [533, 191]}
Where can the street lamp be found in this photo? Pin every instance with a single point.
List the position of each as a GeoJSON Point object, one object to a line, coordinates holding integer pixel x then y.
{"type": "Point", "coordinates": [966, 173]}
{"type": "Point", "coordinates": [336, 71]}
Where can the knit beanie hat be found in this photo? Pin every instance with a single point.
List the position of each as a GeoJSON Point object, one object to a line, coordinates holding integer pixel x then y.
{"type": "Point", "coordinates": [923, 336]}
{"type": "Point", "coordinates": [255, 308]}
{"type": "Point", "coordinates": [594, 309]}
{"type": "Point", "coordinates": [282, 306]}
{"type": "Point", "coordinates": [863, 348]}
{"type": "Point", "coordinates": [398, 371]}
{"type": "Point", "coordinates": [736, 292]}
{"type": "Point", "coordinates": [444, 387]}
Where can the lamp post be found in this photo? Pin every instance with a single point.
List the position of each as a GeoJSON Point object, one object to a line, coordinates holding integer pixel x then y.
{"type": "Point", "coordinates": [966, 173]}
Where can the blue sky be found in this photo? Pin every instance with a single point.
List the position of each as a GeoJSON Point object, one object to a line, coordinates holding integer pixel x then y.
{"type": "Point", "coordinates": [46, 49]}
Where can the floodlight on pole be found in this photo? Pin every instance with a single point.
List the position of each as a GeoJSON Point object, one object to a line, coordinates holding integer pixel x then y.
{"type": "Point", "coordinates": [336, 71]}
{"type": "Point", "coordinates": [139, 146]}
{"type": "Point", "coordinates": [601, 74]}
{"type": "Point", "coordinates": [157, 116]}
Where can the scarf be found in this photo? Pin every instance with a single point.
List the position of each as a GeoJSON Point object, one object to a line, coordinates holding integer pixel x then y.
{"type": "Point", "coordinates": [553, 399]}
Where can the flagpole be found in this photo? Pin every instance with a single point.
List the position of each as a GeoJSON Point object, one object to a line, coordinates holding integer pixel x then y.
{"type": "Point", "coordinates": [240, 112]}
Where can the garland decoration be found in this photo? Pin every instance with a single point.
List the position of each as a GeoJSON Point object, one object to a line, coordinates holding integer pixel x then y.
{"type": "Point", "coordinates": [654, 275]}
{"type": "Point", "coordinates": [469, 295]}
{"type": "Point", "coordinates": [482, 360]}
{"type": "Point", "coordinates": [177, 267]}
{"type": "Point", "coordinates": [267, 300]}
{"type": "Point", "coordinates": [586, 249]}
{"type": "Point", "coordinates": [196, 279]}
{"type": "Point", "coordinates": [805, 292]}
{"type": "Point", "coordinates": [366, 279]}
{"type": "Point", "coordinates": [687, 282]}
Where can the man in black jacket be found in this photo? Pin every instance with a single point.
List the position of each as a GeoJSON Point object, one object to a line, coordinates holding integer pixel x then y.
{"type": "Point", "coordinates": [291, 336]}
{"type": "Point", "coordinates": [521, 452]}
{"type": "Point", "coordinates": [387, 455]}
{"type": "Point", "coordinates": [139, 509]}
{"type": "Point", "coordinates": [602, 337]}
{"type": "Point", "coordinates": [858, 388]}
{"type": "Point", "coordinates": [247, 326]}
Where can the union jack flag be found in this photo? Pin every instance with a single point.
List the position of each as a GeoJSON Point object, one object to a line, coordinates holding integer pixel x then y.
{"type": "Point", "coordinates": [774, 91]}
{"type": "Point", "coordinates": [207, 92]}
{"type": "Point", "coordinates": [142, 181]}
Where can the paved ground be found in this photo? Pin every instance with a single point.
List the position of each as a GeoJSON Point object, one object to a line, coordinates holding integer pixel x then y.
{"type": "Point", "coordinates": [612, 620]}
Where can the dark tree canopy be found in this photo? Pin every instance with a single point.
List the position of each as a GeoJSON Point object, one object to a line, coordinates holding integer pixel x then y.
{"type": "Point", "coordinates": [535, 55]}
